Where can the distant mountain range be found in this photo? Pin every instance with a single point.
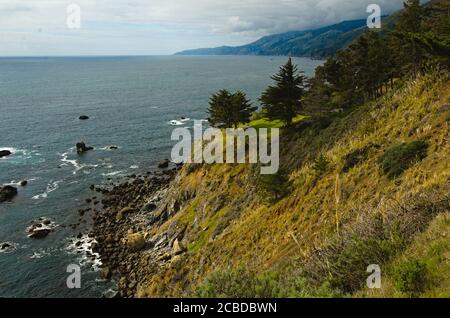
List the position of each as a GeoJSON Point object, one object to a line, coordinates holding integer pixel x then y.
{"type": "Point", "coordinates": [314, 43]}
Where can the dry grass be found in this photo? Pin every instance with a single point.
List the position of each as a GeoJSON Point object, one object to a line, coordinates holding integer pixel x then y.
{"type": "Point", "coordinates": [261, 235]}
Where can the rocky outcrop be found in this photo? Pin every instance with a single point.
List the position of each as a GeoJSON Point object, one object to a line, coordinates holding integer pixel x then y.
{"type": "Point", "coordinates": [121, 229]}
{"type": "Point", "coordinates": [40, 228]}
{"type": "Point", "coordinates": [5, 153]}
{"type": "Point", "coordinates": [7, 193]}
{"type": "Point", "coordinates": [82, 148]}
{"type": "Point", "coordinates": [178, 248]}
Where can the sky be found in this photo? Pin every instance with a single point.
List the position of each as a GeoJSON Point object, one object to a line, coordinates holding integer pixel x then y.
{"type": "Point", "coordinates": [159, 27]}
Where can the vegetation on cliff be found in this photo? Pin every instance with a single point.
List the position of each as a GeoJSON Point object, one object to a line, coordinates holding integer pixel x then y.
{"type": "Point", "coordinates": [368, 184]}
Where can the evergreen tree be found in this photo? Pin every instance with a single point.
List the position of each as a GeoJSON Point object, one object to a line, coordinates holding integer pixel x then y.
{"type": "Point", "coordinates": [242, 108]}
{"type": "Point", "coordinates": [318, 98]}
{"type": "Point", "coordinates": [283, 101]}
{"type": "Point", "coordinates": [410, 54]}
{"type": "Point", "coordinates": [220, 109]}
{"type": "Point", "coordinates": [229, 110]}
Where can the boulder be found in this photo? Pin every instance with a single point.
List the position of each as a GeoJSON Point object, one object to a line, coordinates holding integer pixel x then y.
{"type": "Point", "coordinates": [83, 117]}
{"type": "Point", "coordinates": [178, 248]}
{"type": "Point", "coordinates": [23, 183]}
{"type": "Point", "coordinates": [5, 153]}
{"type": "Point", "coordinates": [164, 163]}
{"type": "Point", "coordinates": [135, 241]}
{"type": "Point", "coordinates": [82, 148]}
{"type": "Point", "coordinates": [39, 233]}
{"type": "Point", "coordinates": [7, 193]}
{"type": "Point", "coordinates": [120, 215]}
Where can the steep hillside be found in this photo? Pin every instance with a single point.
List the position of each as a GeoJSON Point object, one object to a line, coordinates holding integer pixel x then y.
{"type": "Point", "coordinates": [364, 187]}
{"type": "Point", "coordinates": [315, 43]}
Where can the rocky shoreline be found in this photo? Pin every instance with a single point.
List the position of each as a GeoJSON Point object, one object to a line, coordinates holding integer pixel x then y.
{"type": "Point", "coordinates": [122, 228]}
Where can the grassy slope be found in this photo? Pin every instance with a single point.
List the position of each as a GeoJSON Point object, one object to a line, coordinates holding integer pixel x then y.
{"type": "Point", "coordinates": [230, 224]}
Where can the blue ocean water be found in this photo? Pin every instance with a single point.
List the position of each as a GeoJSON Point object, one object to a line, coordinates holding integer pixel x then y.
{"type": "Point", "coordinates": [130, 102]}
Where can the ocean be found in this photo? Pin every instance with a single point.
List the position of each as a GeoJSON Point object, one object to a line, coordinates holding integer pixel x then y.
{"type": "Point", "coordinates": [133, 104]}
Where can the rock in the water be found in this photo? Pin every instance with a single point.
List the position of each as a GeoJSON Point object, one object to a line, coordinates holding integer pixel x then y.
{"type": "Point", "coordinates": [7, 247]}
{"type": "Point", "coordinates": [113, 147]}
{"type": "Point", "coordinates": [39, 233]}
{"type": "Point", "coordinates": [82, 148]}
{"type": "Point", "coordinates": [83, 117]}
{"type": "Point", "coordinates": [178, 248]}
{"type": "Point", "coordinates": [23, 183]}
{"type": "Point", "coordinates": [7, 193]}
{"type": "Point", "coordinates": [5, 153]}
{"type": "Point", "coordinates": [164, 163]}
{"type": "Point", "coordinates": [40, 228]}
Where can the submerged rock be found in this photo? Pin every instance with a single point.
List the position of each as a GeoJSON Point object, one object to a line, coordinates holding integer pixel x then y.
{"type": "Point", "coordinates": [5, 153]}
{"type": "Point", "coordinates": [7, 247]}
{"type": "Point", "coordinates": [7, 193]}
{"type": "Point", "coordinates": [82, 148]}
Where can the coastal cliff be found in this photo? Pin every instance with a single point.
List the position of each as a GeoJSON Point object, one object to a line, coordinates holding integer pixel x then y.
{"type": "Point", "coordinates": [211, 230]}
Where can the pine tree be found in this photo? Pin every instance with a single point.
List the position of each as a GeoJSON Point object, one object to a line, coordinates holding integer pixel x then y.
{"type": "Point", "coordinates": [318, 98]}
{"type": "Point", "coordinates": [220, 109]}
{"type": "Point", "coordinates": [283, 101]}
{"type": "Point", "coordinates": [242, 108]}
{"type": "Point", "coordinates": [410, 22]}
{"type": "Point", "coordinates": [229, 110]}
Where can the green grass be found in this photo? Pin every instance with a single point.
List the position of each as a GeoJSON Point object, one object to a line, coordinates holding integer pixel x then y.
{"type": "Point", "coordinates": [267, 123]}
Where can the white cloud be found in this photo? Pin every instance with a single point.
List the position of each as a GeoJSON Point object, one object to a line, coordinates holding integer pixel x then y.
{"type": "Point", "coordinates": [206, 22]}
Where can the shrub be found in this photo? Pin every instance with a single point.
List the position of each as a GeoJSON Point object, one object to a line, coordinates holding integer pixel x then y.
{"type": "Point", "coordinates": [375, 238]}
{"type": "Point", "coordinates": [274, 186]}
{"type": "Point", "coordinates": [410, 276]}
{"type": "Point", "coordinates": [397, 159]}
{"type": "Point", "coordinates": [355, 157]}
{"type": "Point", "coordinates": [244, 283]}
{"type": "Point", "coordinates": [321, 165]}
{"type": "Point", "coordinates": [237, 283]}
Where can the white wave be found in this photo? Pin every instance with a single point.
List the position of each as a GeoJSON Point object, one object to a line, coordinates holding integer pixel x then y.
{"type": "Point", "coordinates": [185, 119]}
{"type": "Point", "coordinates": [40, 254]}
{"type": "Point", "coordinates": [114, 173]}
{"type": "Point", "coordinates": [52, 186]}
{"type": "Point", "coordinates": [83, 247]}
{"type": "Point", "coordinates": [65, 159]}
{"type": "Point", "coordinates": [17, 183]}
{"type": "Point", "coordinates": [108, 148]}
{"type": "Point", "coordinates": [19, 153]}
{"type": "Point", "coordinates": [134, 167]}
{"type": "Point", "coordinates": [176, 123]}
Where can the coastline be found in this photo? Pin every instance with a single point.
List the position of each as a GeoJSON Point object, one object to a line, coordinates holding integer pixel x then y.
{"type": "Point", "coordinates": [122, 228]}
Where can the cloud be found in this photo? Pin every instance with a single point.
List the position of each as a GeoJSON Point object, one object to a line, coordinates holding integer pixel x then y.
{"type": "Point", "coordinates": [202, 21]}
